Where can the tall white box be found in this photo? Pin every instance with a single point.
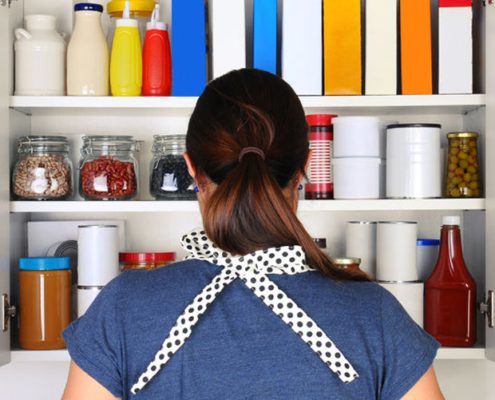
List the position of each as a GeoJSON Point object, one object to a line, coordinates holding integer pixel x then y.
{"type": "Point", "coordinates": [227, 35]}
{"type": "Point", "coordinates": [302, 46]}
{"type": "Point", "coordinates": [381, 47]}
{"type": "Point", "coordinates": [455, 47]}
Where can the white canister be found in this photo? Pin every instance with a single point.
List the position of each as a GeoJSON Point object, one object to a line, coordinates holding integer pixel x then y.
{"type": "Point", "coordinates": [356, 178]}
{"type": "Point", "coordinates": [396, 251]}
{"type": "Point", "coordinates": [413, 161]}
{"type": "Point", "coordinates": [410, 296]}
{"type": "Point", "coordinates": [356, 137]}
{"type": "Point", "coordinates": [426, 256]}
{"type": "Point", "coordinates": [97, 254]}
{"type": "Point", "coordinates": [360, 239]}
{"type": "Point", "coordinates": [39, 58]}
{"type": "Point", "coordinates": [85, 296]}
{"type": "Point", "coordinates": [383, 136]}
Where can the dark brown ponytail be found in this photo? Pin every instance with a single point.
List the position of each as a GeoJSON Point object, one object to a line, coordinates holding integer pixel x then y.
{"type": "Point", "coordinates": [248, 210]}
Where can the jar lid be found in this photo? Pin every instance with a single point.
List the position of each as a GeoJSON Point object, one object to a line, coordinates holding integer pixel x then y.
{"type": "Point", "coordinates": [110, 142]}
{"type": "Point", "coordinates": [88, 7]}
{"type": "Point", "coordinates": [346, 260]}
{"type": "Point", "coordinates": [44, 263]}
{"type": "Point", "coordinates": [427, 242]}
{"type": "Point", "coordinates": [320, 119]}
{"type": "Point", "coordinates": [26, 144]}
{"type": "Point", "coordinates": [143, 6]}
{"type": "Point", "coordinates": [394, 126]}
{"type": "Point", "coordinates": [452, 135]}
{"type": "Point", "coordinates": [362, 222]}
{"type": "Point", "coordinates": [451, 220]}
{"type": "Point", "coordinates": [146, 257]}
{"type": "Point", "coordinates": [174, 143]}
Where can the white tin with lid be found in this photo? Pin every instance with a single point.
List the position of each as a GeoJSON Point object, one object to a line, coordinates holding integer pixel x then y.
{"type": "Point", "coordinates": [413, 161]}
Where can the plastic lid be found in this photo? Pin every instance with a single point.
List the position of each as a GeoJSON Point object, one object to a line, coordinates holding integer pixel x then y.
{"type": "Point", "coordinates": [394, 126]}
{"type": "Point", "coordinates": [451, 220]}
{"type": "Point", "coordinates": [146, 257]}
{"type": "Point", "coordinates": [143, 6]}
{"type": "Point", "coordinates": [44, 263]}
{"type": "Point", "coordinates": [320, 119]}
{"type": "Point", "coordinates": [88, 7]}
{"type": "Point", "coordinates": [427, 242]}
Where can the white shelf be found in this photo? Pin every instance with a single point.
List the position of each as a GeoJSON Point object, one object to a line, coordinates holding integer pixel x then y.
{"type": "Point", "coordinates": [444, 353]}
{"type": "Point", "coordinates": [438, 104]}
{"type": "Point", "coordinates": [192, 206]}
{"type": "Point", "coordinates": [39, 355]}
{"type": "Point", "coordinates": [453, 353]}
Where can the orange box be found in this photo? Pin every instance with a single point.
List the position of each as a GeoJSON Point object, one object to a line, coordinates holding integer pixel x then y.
{"type": "Point", "coordinates": [342, 47]}
{"type": "Point", "coordinates": [415, 30]}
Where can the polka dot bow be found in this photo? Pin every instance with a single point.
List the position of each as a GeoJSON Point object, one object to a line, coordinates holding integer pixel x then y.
{"type": "Point", "coordinates": [251, 269]}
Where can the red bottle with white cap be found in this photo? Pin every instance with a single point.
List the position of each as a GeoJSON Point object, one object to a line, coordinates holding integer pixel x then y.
{"type": "Point", "coordinates": [157, 65]}
{"type": "Point", "coordinates": [450, 292]}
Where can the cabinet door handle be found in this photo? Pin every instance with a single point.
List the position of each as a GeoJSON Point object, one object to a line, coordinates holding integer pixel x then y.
{"type": "Point", "coordinates": [7, 312]}
{"type": "Point", "coordinates": [487, 308]}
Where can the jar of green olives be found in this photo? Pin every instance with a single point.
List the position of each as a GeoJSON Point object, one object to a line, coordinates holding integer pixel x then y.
{"type": "Point", "coordinates": [463, 170]}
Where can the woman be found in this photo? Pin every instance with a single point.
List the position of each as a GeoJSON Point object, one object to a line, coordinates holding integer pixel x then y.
{"type": "Point", "coordinates": [257, 311]}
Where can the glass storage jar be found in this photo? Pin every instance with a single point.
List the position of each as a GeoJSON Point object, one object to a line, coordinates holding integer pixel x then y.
{"type": "Point", "coordinates": [108, 169]}
{"type": "Point", "coordinates": [351, 263]}
{"type": "Point", "coordinates": [45, 302]}
{"type": "Point", "coordinates": [43, 170]}
{"type": "Point", "coordinates": [145, 260]}
{"type": "Point", "coordinates": [463, 165]}
{"type": "Point", "coordinates": [169, 178]}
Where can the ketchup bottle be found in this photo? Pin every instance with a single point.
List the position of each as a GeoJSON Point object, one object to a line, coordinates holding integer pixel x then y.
{"type": "Point", "coordinates": [450, 292]}
{"type": "Point", "coordinates": [157, 65]}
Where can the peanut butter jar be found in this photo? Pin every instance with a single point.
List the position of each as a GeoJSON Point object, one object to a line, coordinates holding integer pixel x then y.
{"type": "Point", "coordinates": [45, 302]}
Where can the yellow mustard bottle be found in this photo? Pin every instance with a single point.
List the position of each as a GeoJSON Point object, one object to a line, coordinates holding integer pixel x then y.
{"type": "Point", "coordinates": [126, 65]}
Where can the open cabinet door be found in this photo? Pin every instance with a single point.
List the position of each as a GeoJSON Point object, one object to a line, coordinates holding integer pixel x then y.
{"type": "Point", "coordinates": [5, 75]}
{"type": "Point", "coordinates": [490, 168]}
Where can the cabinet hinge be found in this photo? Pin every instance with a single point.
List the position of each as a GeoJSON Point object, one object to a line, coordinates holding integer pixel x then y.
{"type": "Point", "coordinates": [7, 312]}
{"type": "Point", "coordinates": [487, 308]}
{"type": "Point", "coordinates": [6, 3]}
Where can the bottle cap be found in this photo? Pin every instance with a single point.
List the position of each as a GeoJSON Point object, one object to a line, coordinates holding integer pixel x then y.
{"type": "Point", "coordinates": [320, 119]}
{"type": "Point", "coordinates": [88, 7]}
{"type": "Point", "coordinates": [126, 19]}
{"type": "Point", "coordinates": [451, 220]}
{"type": "Point", "coordinates": [154, 23]}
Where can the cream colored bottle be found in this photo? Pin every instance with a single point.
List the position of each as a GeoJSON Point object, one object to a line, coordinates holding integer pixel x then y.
{"type": "Point", "coordinates": [87, 54]}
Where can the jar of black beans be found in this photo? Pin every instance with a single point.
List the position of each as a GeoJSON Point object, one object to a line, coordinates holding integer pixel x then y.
{"type": "Point", "coordinates": [169, 178]}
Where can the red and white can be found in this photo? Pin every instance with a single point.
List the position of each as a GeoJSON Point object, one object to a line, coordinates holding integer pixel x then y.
{"type": "Point", "coordinates": [320, 185]}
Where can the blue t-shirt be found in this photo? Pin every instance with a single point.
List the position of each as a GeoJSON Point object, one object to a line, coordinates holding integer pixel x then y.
{"type": "Point", "coordinates": [240, 349]}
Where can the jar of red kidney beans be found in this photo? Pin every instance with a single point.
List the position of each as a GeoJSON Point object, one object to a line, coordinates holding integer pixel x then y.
{"type": "Point", "coordinates": [108, 169]}
{"type": "Point", "coordinates": [320, 185]}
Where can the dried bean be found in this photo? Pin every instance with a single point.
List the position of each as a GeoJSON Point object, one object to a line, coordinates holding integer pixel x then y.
{"type": "Point", "coordinates": [42, 177]}
{"type": "Point", "coordinates": [106, 178]}
{"type": "Point", "coordinates": [170, 179]}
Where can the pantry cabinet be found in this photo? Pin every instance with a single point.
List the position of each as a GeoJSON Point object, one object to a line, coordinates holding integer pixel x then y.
{"type": "Point", "coordinates": [157, 225]}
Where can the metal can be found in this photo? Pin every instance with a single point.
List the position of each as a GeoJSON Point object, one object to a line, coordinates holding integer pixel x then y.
{"type": "Point", "coordinates": [320, 186]}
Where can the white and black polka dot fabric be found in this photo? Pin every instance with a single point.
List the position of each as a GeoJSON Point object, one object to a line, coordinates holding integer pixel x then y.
{"type": "Point", "coordinates": [252, 269]}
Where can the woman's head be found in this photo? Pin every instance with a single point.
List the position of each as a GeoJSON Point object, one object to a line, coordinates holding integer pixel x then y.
{"type": "Point", "coordinates": [248, 202]}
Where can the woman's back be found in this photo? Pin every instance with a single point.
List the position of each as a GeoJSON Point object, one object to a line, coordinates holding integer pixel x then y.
{"type": "Point", "coordinates": [240, 349]}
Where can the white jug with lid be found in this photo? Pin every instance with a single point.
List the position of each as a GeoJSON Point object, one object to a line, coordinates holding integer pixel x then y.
{"type": "Point", "coordinates": [39, 58]}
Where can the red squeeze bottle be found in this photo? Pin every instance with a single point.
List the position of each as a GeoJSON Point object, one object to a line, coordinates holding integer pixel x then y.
{"type": "Point", "coordinates": [157, 65]}
{"type": "Point", "coordinates": [450, 292]}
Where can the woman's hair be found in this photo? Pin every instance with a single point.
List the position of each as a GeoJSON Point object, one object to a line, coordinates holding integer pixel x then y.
{"type": "Point", "coordinates": [248, 210]}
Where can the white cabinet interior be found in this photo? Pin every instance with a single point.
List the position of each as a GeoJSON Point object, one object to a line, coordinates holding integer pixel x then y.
{"type": "Point", "coordinates": [154, 226]}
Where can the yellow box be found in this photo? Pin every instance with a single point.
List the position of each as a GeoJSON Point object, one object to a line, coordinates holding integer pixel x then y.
{"type": "Point", "coordinates": [342, 47]}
